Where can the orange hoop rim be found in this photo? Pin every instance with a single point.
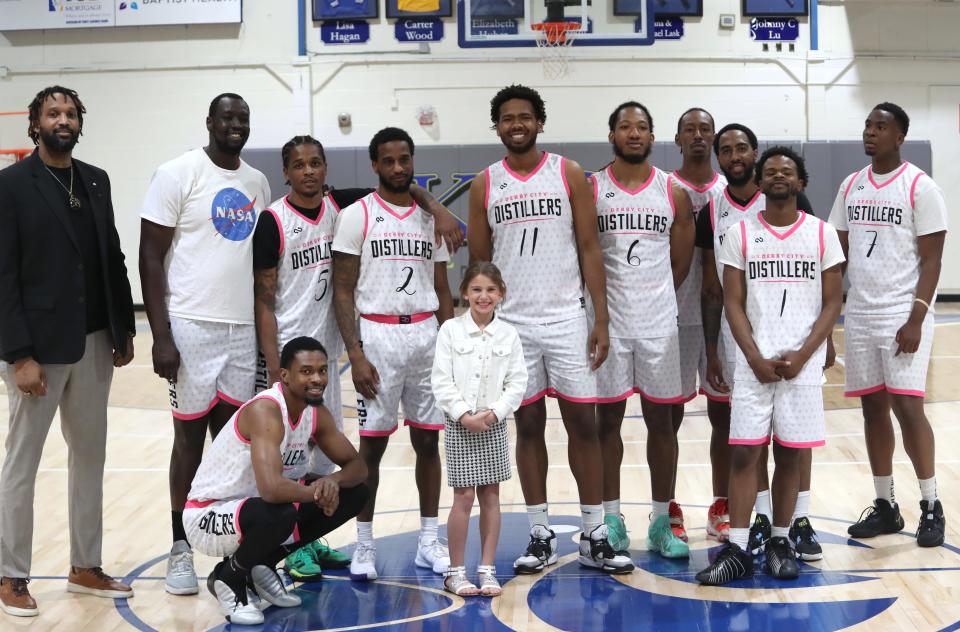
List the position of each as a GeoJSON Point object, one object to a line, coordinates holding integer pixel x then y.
{"type": "Point", "coordinates": [555, 32]}
{"type": "Point", "coordinates": [18, 154]}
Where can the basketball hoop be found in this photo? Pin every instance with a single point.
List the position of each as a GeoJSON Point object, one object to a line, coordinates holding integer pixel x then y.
{"type": "Point", "coordinates": [10, 156]}
{"type": "Point", "coordinates": [553, 41]}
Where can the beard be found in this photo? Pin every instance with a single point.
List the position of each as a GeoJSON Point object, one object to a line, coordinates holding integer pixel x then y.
{"type": "Point", "coordinates": [781, 194]}
{"type": "Point", "coordinates": [57, 144]}
{"type": "Point", "coordinates": [739, 181]}
{"type": "Point", "coordinates": [393, 188]}
{"type": "Point", "coordinates": [633, 159]}
{"type": "Point", "coordinates": [522, 149]}
{"type": "Point", "coordinates": [229, 148]}
{"type": "Point", "coordinates": [314, 401]}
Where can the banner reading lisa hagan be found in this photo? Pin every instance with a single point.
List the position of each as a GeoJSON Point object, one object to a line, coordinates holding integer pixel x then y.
{"type": "Point", "coordinates": [18, 15]}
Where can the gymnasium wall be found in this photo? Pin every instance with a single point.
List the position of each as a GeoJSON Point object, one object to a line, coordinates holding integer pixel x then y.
{"type": "Point", "coordinates": [147, 89]}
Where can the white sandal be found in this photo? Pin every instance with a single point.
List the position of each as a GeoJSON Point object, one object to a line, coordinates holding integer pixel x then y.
{"type": "Point", "coordinates": [489, 586]}
{"type": "Point", "coordinates": [455, 581]}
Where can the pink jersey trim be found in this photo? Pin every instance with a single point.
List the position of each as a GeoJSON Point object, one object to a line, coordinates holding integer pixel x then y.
{"type": "Point", "coordinates": [699, 189]}
{"type": "Point", "coordinates": [236, 430]}
{"type": "Point", "coordinates": [333, 204]}
{"type": "Point", "coordinates": [535, 397]}
{"type": "Point", "coordinates": [902, 391]}
{"type": "Point", "coordinates": [486, 183]}
{"type": "Point", "coordinates": [563, 175]}
{"type": "Point", "coordinates": [822, 246]}
{"type": "Point", "coordinates": [276, 218]}
{"type": "Point", "coordinates": [388, 319]}
{"type": "Point", "coordinates": [422, 426]}
{"type": "Point", "coordinates": [532, 173]}
{"type": "Point", "coordinates": [192, 416]}
{"type": "Point", "coordinates": [653, 173]}
{"type": "Point", "coordinates": [723, 399]}
{"type": "Point", "coordinates": [366, 218]}
{"type": "Point", "coordinates": [760, 441]}
{"type": "Point", "coordinates": [378, 433]}
{"type": "Point", "coordinates": [889, 180]}
{"type": "Point", "coordinates": [226, 398]}
{"type": "Point", "coordinates": [800, 444]}
{"type": "Point", "coordinates": [596, 188]}
{"type": "Point", "coordinates": [576, 400]}
{"type": "Point", "coordinates": [751, 202]}
{"type": "Point", "coordinates": [236, 519]}
{"type": "Point", "coordinates": [782, 236]}
{"type": "Point", "coordinates": [661, 400]}
{"type": "Point", "coordinates": [236, 415]}
{"type": "Point", "coordinates": [864, 391]}
{"type": "Point", "coordinates": [688, 398]}
{"type": "Point", "coordinates": [387, 208]}
{"type": "Point", "coordinates": [850, 184]}
{"type": "Point", "coordinates": [713, 216]}
{"type": "Point", "coordinates": [296, 525]}
{"type": "Point", "coordinates": [913, 190]}
{"type": "Point", "coordinates": [290, 207]}
{"type": "Point", "coordinates": [743, 241]}
{"type": "Point", "coordinates": [313, 430]}
{"type": "Point", "coordinates": [198, 504]}
{"type": "Point", "coordinates": [616, 398]}
{"type": "Point", "coordinates": [673, 207]}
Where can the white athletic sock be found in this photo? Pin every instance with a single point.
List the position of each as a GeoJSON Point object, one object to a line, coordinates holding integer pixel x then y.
{"type": "Point", "coordinates": [803, 505]}
{"type": "Point", "coordinates": [365, 532]}
{"type": "Point", "coordinates": [611, 507]}
{"type": "Point", "coordinates": [591, 517]}
{"type": "Point", "coordinates": [740, 537]}
{"type": "Point", "coordinates": [428, 529]}
{"type": "Point", "coordinates": [762, 504]}
{"type": "Point", "coordinates": [537, 515]}
{"type": "Point", "coordinates": [660, 509]}
{"type": "Point", "coordinates": [883, 486]}
{"type": "Point", "coordinates": [780, 532]}
{"type": "Point", "coordinates": [928, 489]}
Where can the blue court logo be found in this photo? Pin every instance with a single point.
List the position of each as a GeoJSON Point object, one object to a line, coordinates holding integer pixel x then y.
{"type": "Point", "coordinates": [233, 214]}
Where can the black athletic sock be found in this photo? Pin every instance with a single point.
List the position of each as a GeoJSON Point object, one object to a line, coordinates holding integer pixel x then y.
{"type": "Point", "coordinates": [176, 521]}
{"type": "Point", "coordinates": [234, 576]}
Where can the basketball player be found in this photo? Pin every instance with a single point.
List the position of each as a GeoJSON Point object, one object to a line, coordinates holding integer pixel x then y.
{"type": "Point", "coordinates": [695, 134]}
{"type": "Point", "coordinates": [196, 263]}
{"type": "Point", "coordinates": [387, 269]}
{"type": "Point", "coordinates": [892, 221]}
{"type": "Point", "coordinates": [646, 232]}
{"type": "Point", "coordinates": [246, 505]}
{"type": "Point", "coordinates": [293, 292]}
{"type": "Point", "coordinates": [735, 146]}
{"type": "Point", "coordinates": [533, 215]}
{"type": "Point", "coordinates": [783, 289]}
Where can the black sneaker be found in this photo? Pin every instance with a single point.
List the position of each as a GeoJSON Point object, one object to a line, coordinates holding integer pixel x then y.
{"type": "Point", "coordinates": [781, 559]}
{"type": "Point", "coordinates": [804, 540]}
{"type": "Point", "coordinates": [759, 534]}
{"type": "Point", "coordinates": [731, 563]}
{"type": "Point", "coordinates": [932, 524]}
{"type": "Point", "coordinates": [882, 518]}
{"type": "Point", "coordinates": [541, 551]}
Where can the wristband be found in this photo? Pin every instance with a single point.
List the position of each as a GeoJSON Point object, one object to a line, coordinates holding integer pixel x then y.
{"type": "Point", "coordinates": [923, 302]}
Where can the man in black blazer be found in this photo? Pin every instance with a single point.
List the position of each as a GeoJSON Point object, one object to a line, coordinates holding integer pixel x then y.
{"type": "Point", "coordinates": [66, 320]}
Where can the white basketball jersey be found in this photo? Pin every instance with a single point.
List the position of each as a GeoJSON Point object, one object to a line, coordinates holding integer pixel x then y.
{"type": "Point", "coordinates": [534, 245]}
{"type": "Point", "coordinates": [304, 276]}
{"type": "Point", "coordinates": [724, 213]}
{"type": "Point", "coordinates": [634, 230]}
{"type": "Point", "coordinates": [688, 294]}
{"type": "Point", "coordinates": [884, 222]}
{"type": "Point", "coordinates": [226, 472]}
{"type": "Point", "coordinates": [397, 259]}
{"type": "Point", "coordinates": [782, 266]}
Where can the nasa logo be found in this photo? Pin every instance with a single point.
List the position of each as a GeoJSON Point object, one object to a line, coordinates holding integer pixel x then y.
{"type": "Point", "coordinates": [233, 214]}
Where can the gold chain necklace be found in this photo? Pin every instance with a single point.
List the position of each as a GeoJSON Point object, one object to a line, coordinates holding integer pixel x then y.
{"type": "Point", "coordinates": [73, 199]}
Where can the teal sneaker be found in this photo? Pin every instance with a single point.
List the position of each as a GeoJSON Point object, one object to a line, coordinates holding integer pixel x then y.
{"type": "Point", "coordinates": [302, 564]}
{"type": "Point", "coordinates": [329, 558]}
{"type": "Point", "coordinates": [617, 532]}
{"type": "Point", "coordinates": [660, 538]}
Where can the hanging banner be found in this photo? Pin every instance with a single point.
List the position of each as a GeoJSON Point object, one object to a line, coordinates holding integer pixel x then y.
{"type": "Point", "coordinates": [20, 15]}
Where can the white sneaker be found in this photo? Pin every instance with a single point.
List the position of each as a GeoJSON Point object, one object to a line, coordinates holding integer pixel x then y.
{"type": "Point", "coordinates": [596, 552]}
{"type": "Point", "coordinates": [541, 551]}
{"type": "Point", "coordinates": [433, 555]}
{"type": "Point", "coordinates": [363, 566]}
{"type": "Point", "coordinates": [181, 578]}
{"type": "Point", "coordinates": [268, 585]}
{"type": "Point", "coordinates": [236, 611]}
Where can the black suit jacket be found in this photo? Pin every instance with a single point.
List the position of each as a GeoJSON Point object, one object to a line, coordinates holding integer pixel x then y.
{"type": "Point", "coordinates": [42, 286]}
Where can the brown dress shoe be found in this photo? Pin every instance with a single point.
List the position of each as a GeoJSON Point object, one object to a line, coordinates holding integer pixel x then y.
{"type": "Point", "coordinates": [93, 581]}
{"type": "Point", "coordinates": [15, 598]}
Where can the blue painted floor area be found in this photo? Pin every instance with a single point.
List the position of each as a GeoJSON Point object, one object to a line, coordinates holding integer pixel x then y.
{"type": "Point", "coordinates": [570, 597]}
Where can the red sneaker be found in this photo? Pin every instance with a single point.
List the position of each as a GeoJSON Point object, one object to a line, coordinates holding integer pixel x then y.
{"type": "Point", "coordinates": [718, 520]}
{"type": "Point", "coordinates": [676, 521]}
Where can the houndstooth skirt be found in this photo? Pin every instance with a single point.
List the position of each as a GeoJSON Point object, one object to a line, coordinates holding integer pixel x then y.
{"type": "Point", "coordinates": [481, 458]}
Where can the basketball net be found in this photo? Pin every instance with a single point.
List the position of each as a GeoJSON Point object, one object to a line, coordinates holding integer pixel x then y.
{"type": "Point", "coordinates": [553, 42]}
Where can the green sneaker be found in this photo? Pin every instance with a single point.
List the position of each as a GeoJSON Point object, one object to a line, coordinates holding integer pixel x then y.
{"type": "Point", "coordinates": [660, 538]}
{"type": "Point", "coordinates": [329, 558]}
{"type": "Point", "coordinates": [617, 532]}
{"type": "Point", "coordinates": [302, 564]}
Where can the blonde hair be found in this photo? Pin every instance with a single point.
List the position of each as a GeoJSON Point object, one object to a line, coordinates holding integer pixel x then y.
{"type": "Point", "coordinates": [486, 269]}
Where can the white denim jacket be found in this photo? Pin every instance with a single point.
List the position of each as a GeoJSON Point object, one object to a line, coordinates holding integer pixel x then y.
{"type": "Point", "coordinates": [477, 368]}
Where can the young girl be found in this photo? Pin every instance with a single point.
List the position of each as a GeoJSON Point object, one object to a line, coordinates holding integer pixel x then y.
{"type": "Point", "coordinates": [479, 377]}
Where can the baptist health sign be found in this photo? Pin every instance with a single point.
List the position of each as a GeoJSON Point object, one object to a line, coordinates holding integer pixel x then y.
{"type": "Point", "coordinates": [18, 15]}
